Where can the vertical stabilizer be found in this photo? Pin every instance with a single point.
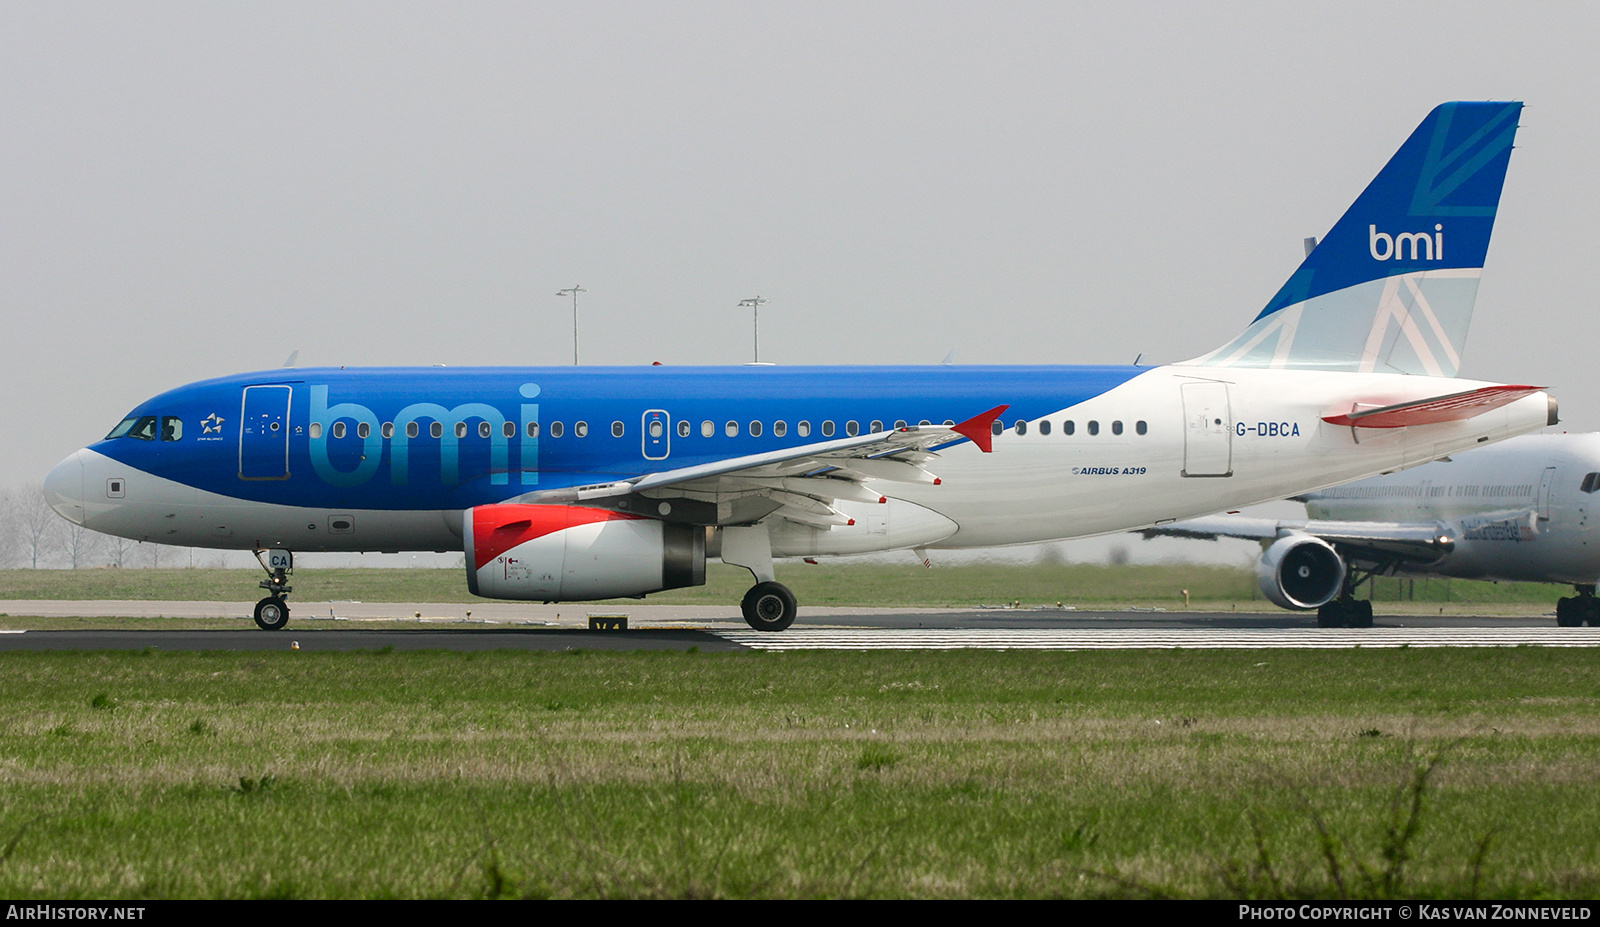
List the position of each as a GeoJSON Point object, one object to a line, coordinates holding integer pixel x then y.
{"type": "Point", "coordinates": [1391, 287]}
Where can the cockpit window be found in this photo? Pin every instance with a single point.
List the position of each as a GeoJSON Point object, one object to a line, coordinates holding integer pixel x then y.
{"type": "Point", "coordinates": [171, 428]}
{"type": "Point", "coordinates": [142, 427]}
{"type": "Point", "coordinates": [1591, 482]}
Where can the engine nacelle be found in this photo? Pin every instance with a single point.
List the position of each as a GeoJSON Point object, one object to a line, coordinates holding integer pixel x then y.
{"type": "Point", "coordinates": [563, 553]}
{"type": "Point", "coordinates": [1300, 572]}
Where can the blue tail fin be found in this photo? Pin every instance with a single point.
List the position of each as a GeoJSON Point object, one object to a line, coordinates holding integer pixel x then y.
{"type": "Point", "coordinates": [1391, 287]}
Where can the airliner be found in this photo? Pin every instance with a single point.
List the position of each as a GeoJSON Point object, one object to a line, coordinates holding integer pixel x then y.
{"type": "Point", "coordinates": [1522, 511]}
{"type": "Point", "coordinates": [583, 483]}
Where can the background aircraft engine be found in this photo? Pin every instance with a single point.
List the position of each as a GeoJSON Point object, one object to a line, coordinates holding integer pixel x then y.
{"type": "Point", "coordinates": [560, 553]}
{"type": "Point", "coordinates": [1300, 572]}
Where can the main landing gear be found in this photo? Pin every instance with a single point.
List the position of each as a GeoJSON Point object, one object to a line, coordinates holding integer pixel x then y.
{"type": "Point", "coordinates": [769, 605]}
{"type": "Point", "coordinates": [1347, 611]}
{"type": "Point", "coordinates": [272, 612]}
{"type": "Point", "coordinates": [1574, 611]}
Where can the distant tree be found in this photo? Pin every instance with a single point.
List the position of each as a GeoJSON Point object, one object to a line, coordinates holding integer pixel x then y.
{"type": "Point", "coordinates": [10, 537]}
{"type": "Point", "coordinates": [1051, 555]}
{"type": "Point", "coordinates": [118, 551]}
{"type": "Point", "coordinates": [39, 528]}
{"type": "Point", "coordinates": [80, 545]}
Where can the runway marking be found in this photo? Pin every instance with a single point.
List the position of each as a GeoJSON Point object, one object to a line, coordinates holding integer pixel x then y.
{"type": "Point", "coordinates": [1153, 639]}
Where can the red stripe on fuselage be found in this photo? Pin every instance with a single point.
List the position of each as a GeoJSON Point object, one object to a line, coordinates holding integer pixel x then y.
{"type": "Point", "coordinates": [498, 528]}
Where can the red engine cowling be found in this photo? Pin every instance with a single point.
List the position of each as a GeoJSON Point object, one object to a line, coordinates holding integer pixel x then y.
{"type": "Point", "coordinates": [563, 553]}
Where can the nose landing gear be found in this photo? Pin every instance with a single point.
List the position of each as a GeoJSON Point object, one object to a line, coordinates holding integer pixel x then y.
{"type": "Point", "coordinates": [272, 612]}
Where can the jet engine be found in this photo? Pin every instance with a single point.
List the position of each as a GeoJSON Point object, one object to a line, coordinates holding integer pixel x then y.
{"type": "Point", "coordinates": [562, 553]}
{"type": "Point", "coordinates": [1300, 572]}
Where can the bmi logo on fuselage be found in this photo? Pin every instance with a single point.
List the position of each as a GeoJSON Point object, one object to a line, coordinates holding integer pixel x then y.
{"type": "Point", "coordinates": [1387, 247]}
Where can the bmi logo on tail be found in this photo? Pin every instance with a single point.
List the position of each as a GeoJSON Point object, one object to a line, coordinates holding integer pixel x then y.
{"type": "Point", "coordinates": [1432, 247]}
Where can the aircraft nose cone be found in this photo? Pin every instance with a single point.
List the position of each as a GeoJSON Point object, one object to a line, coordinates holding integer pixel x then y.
{"type": "Point", "coordinates": [63, 488]}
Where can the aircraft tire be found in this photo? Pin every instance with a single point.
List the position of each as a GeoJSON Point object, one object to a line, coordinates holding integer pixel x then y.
{"type": "Point", "coordinates": [1568, 613]}
{"type": "Point", "coordinates": [1333, 615]}
{"type": "Point", "coordinates": [272, 613]}
{"type": "Point", "coordinates": [1361, 616]}
{"type": "Point", "coordinates": [769, 607]}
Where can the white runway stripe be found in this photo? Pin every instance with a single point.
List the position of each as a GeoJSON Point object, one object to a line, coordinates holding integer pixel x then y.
{"type": "Point", "coordinates": [1146, 639]}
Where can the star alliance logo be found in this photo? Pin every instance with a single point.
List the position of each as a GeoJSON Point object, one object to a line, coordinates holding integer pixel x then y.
{"type": "Point", "coordinates": [211, 424]}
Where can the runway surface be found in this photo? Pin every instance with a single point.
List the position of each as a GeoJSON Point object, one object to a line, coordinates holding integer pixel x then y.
{"type": "Point", "coordinates": [352, 626]}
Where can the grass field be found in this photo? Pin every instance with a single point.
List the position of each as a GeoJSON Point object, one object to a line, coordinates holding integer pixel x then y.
{"type": "Point", "coordinates": [935, 775]}
{"type": "Point", "coordinates": [830, 583]}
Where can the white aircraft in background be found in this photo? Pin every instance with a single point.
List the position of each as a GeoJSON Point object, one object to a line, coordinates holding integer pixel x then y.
{"type": "Point", "coordinates": [1522, 511]}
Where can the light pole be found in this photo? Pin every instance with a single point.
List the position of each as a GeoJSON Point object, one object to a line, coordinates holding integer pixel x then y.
{"type": "Point", "coordinates": [754, 303]}
{"type": "Point", "coordinates": [573, 291]}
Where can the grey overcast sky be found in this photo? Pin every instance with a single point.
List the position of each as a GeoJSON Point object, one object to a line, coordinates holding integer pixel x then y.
{"type": "Point", "coordinates": [196, 189]}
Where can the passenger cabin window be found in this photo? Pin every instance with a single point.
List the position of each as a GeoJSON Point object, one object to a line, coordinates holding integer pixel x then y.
{"type": "Point", "coordinates": [827, 428]}
{"type": "Point", "coordinates": [580, 429]}
{"type": "Point", "coordinates": [508, 430]}
{"type": "Point", "coordinates": [1044, 426]}
{"type": "Point", "coordinates": [1140, 427]}
{"type": "Point", "coordinates": [851, 428]}
{"type": "Point", "coordinates": [899, 424]}
{"type": "Point", "coordinates": [707, 429]}
{"type": "Point", "coordinates": [1068, 427]}
{"type": "Point", "coordinates": [461, 429]}
{"type": "Point", "coordinates": [683, 428]}
{"type": "Point", "coordinates": [436, 429]}
{"type": "Point", "coordinates": [555, 429]}
{"type": "Point", "coordinates": [617, 430]}
{"type": "Point", "coordinates": [316, 429]}
{"type": "Point", "coordinates": [1022, 426]}
{"type": "Point", "coordinates": [1116, 428]}
{"type": "Point", "coordinates": [533, 429]}
{"type": "Point", "coordinates": [995, 427]}
{"type": "Point", "coordinates": [484, 429]}
{"type": "Point", "coordinates": [875, 427]}
{"type": "Point", "coordinates": [363, 429]}
{"type": "Point", "coordinates": [731, 429]}
{"type": "Point", "coordinates": [1094, 428]}
{"type": "Point", "coordinates": [803, 429]}
{"type": "Point", "coordinates": [338, 429]}
{"type": "Point", "coordinates": [779, 429]}
{"type": "Point", "coordinates": [755, 429]}
{"type": "Point", "coordinates": [411, 429]}
{"type": "Point", "coordinates": [387, 430]}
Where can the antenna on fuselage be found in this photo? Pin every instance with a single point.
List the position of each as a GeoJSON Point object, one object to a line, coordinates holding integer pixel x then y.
{"type": "Point", "coordinates": [293, 356]}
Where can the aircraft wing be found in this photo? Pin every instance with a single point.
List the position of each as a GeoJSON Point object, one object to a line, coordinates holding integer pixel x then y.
{"type": "Point", "coordinates": [1363, 540]}
{"type": "Point", "coordinates": [800, 483]}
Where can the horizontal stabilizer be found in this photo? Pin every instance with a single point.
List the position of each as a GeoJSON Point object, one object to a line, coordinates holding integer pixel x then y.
{"type": "Point", "coordinates": [1452, 408]}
